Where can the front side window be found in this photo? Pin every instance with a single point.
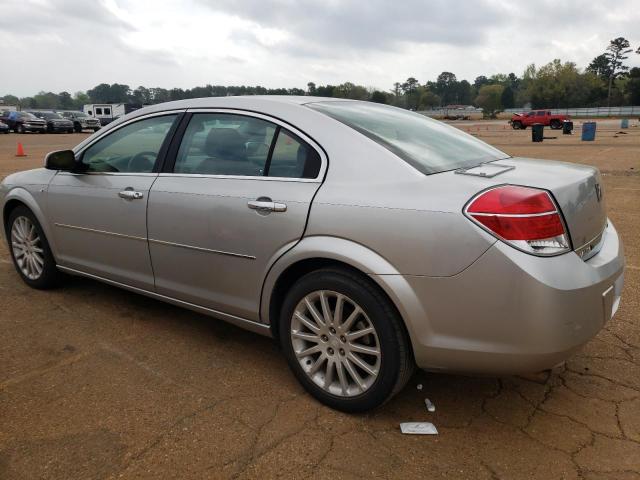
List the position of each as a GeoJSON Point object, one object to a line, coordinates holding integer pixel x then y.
{"type": "Point", "coordinates": [133, 148]}
{"type": "Point", "coordinates": [541, 114]}
{"type": "Point", "coordinates": [98, 111]}
{"type": "Point", "coordinates": [107, 111]}
{"type": "Point", "coordinates": [239, 145]}
{"type": "Point", "coordinates": [428, 145]}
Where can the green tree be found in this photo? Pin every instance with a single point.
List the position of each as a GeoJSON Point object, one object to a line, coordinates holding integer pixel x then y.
{"type": "Point", "coordinates": [507, 98]}
{"type": "Point", "coordinates": [429, 100]}
{"type": "Point", "coordinates": [632, 88]}
{"type": "Point", "coordinates": [616, 54]}
{"type": "Point", "coordinates": [600, 66]}
{"type": "Point", "coordinates": [352, 91]}
{"type": "Point", "coordinates": [447, 88]}
{"type": "Point", "coordinates": [311, 88]}
{"type": "Point", "coordinates": [480, 81]}
{"type": "Point", "coordinates": [490, 100]}
{"type": "Point", "coordinates": [465, 93]}
{"type": "Point", "coordinates": [379, 97]}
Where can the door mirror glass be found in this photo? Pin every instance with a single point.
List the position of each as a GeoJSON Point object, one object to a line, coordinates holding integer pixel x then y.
{"type": "Point", "coordinates": [63, 160]}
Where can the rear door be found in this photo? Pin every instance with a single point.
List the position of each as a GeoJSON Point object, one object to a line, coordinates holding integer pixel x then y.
{"type": "Point", "coordinates": [99, 216]}
{"type": "Point", "coordinates": [234, 196]}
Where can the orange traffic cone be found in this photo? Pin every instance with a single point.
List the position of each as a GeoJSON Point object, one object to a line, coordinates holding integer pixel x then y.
{"type": "Point", "coordinates": [20, 152]}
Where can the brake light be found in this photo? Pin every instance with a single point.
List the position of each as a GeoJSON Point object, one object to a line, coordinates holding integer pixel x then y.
{"type": "Point", "coordinates": [524, 217]}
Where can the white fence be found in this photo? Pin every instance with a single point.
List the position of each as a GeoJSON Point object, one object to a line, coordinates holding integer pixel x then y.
{"type": "Point", "coordinates": [588, 112]}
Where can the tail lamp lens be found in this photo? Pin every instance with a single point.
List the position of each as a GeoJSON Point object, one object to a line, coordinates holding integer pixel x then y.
{"type": "Point", "coordinates": [524, 217]}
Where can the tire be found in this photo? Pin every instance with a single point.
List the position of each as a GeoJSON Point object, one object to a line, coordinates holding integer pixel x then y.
{"type": "Point", "coordinates": [19, 128]}
{"type": "Point", "coordinates": [516, 125]}
{"type": "Point", "coordinates": [332, 353]}
{"type": "Point", "coordinates": [77, 128]}
{"type": "Point", "coordinates": [48, 276]}
{"type": "Point", "coordinates": [555, 124]}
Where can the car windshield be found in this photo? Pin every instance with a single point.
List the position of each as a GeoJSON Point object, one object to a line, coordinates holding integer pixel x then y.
{"type": "Point", "coordinates": [79, 114]}
{"type": "Point", "coordinates": [428, 145]}
{"type": "Point", "coordinates": [28, 115]}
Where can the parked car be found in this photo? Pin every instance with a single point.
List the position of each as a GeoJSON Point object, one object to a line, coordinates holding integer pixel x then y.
{"type": "Point", "coordinates": [81, 121]}
{"type": "Point", "coordinates": [22, 122]}
{"type": "Point", "coordinates": [365, 238]}
{"type": "Point", "coordinates": [55, 122]}
{"type": "Point", "coordinates": [4, 128]}
{"type": "Point", "coordinates": [520, 121]}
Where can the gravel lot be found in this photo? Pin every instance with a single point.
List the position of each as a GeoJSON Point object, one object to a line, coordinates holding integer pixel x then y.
{"type": "Point", "coordinates": [96, 382]}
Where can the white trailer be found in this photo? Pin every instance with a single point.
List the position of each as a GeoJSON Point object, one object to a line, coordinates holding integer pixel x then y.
{"type": "Point", "coordinates": [107, 112]}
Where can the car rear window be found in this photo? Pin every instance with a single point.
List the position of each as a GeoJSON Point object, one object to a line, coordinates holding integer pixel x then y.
{"type": "Point", "coordinates": [428, 145]}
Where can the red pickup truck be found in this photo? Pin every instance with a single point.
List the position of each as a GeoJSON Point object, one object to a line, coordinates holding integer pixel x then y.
{"type": "Point", "coordinates": [520, 121]}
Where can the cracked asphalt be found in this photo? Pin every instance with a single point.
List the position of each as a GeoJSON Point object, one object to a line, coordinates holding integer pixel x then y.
{"type": "Point", "coordinates": [99, 383]}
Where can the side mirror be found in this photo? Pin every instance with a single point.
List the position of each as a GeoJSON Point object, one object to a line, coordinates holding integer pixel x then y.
{"type": "Point", "coordinates": [63, 160]}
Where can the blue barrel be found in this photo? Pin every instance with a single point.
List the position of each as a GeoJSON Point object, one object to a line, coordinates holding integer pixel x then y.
{"type": "Point", "coordinates": [624, 123]}
{"type": "Point", "coordinates": [588, 131]}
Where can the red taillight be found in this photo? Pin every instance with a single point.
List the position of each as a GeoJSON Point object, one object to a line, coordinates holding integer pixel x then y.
{"type": "Point", "coordinates": [512, 200]}
{"type": "Point", "coordinates": [524, 217]}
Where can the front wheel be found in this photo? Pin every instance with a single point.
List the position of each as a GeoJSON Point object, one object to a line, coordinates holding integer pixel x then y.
{"type": "Point", "coordinates": [19, 129]}
{"type": "Point", "coordinates": [30, 250]}
{"type": "Point", "coordinates": [516, 125]}
{"type": "Point", "coordinates": [344, 340]}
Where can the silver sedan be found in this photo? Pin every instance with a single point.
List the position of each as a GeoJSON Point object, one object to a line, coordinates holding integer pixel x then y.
{"type": "Point", "coordinates": [365, 238]}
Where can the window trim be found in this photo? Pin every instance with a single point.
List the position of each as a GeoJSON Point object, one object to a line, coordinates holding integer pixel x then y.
{"type": "Point", "coordinates": [162, 153]}
{"type": "Point", "coordinates": [169, 163]}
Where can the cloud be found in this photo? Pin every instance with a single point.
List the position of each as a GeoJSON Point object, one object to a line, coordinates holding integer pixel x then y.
{"type": "Point", "coordinates": [76, 44]}
{"type": "Point", "coordinates": [332, 27]}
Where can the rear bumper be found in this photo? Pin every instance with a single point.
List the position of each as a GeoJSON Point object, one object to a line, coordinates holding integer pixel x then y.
{"type": "Point", "coordinates": [510, 312]}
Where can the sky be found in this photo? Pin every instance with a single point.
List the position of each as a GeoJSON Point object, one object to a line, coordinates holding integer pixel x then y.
{"type": "Point", "coordinates": [72, 45]}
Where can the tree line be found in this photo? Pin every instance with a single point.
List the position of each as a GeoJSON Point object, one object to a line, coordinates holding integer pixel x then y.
{"type": "Point", "coordinates": [606, 81]}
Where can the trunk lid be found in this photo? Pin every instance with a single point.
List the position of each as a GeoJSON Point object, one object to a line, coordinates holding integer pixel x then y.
{"type": "Point", "coordinates": [577, 189]}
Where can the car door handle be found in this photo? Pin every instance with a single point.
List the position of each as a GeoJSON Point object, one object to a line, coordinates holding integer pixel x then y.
{"type": "Point", "coordinates": [266, 206]}
{"type": "Point", "coordinates": [130, 195]}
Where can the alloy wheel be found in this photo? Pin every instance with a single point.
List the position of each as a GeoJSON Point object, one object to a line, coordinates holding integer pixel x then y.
{"type": "Point", "coordinates": [27, 248]}
{"type": "Point", "coordinates": [335, 343]}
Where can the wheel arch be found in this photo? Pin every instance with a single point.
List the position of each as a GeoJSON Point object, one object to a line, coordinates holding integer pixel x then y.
{"type": "Point", "coordinates": [22, 197]}
{"type": "Point", "coordinates": [314, 253]}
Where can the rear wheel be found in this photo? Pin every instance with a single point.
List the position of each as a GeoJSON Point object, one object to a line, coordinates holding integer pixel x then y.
{"type": "Point", "coordinates": [19, 128]}
{"type": "Point", "coordinates": [555, 124]}
{"type": "Point", "coordinates": [344, 340]}
{"type": "Point", "coordinates": [30, 250]}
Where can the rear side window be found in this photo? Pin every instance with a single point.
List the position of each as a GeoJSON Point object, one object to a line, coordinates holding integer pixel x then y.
{"type": "Point", "coordinates": [225, 144]}
{"type": "Point", "coordinates": [98, 111]}
{"type": "Point", "coordinates": [428, 145]}
{"type": "Point", "coordinates": [542, 114]}
{"type": "Point", "coordinates": [293, 158]}
{"type": "Point", "coordinates": [239, 145]}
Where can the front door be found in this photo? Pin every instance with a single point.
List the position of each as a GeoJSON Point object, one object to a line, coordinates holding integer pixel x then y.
{"type": "Point", "coordinates": [236, 198]}
{"type": "Point", "coordinates": [99, 215]}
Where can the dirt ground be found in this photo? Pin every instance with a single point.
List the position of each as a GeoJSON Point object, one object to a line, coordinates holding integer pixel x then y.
{"type": "Point", "coordinates": [99, 383]}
